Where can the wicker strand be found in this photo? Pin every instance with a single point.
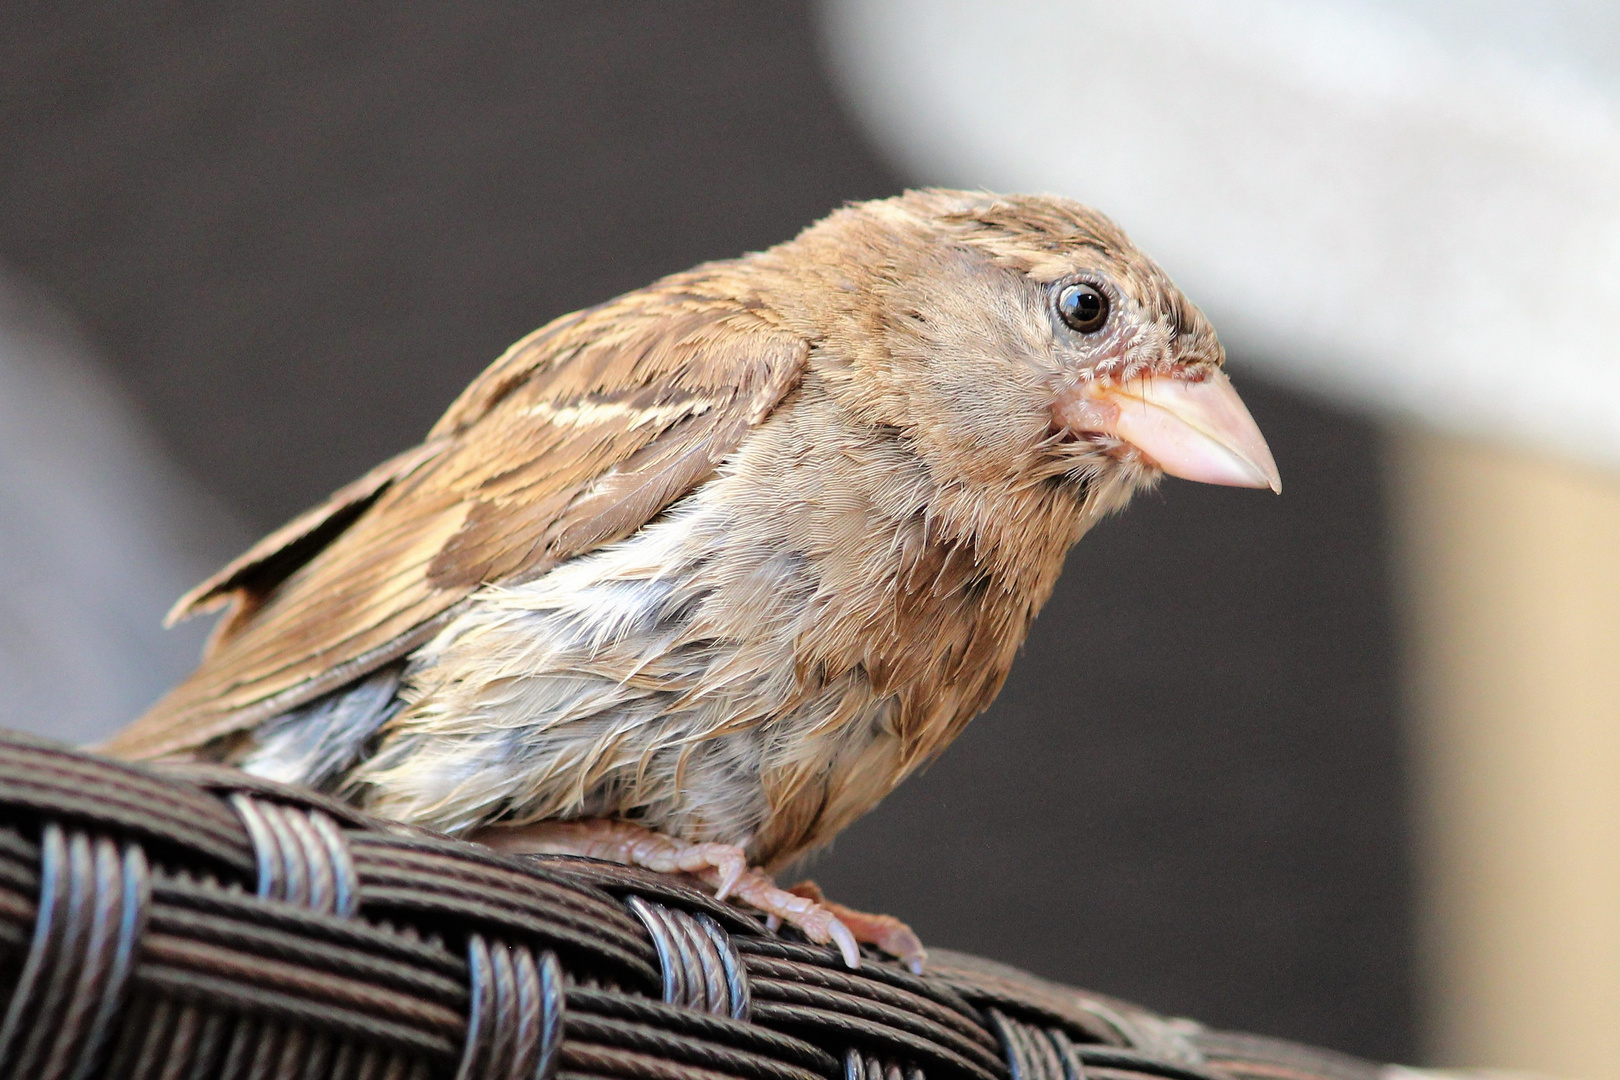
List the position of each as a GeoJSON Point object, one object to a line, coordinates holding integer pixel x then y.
{"type": "Point", "coordinates": [300, 854]}
{"type": "Point", "coordinates": [92, 910]}
{"type": "Point", "coordinates": [1073, 1067]}
{"type": "Point", "coordinates": [860, 1065]}
{"type": "Point", "coordinates": [701, 967]}
{"type": "Point", "coordinates": [52, 904]}
{"type": "Point", "coordinates": [301, 858]}
{"type": "Point", "coordinates": [738, 997]}
{"type": "Point", "coordinates": [124, 888]}
{"type": "Point", "coordinates": [515, 1018]}
{"type": "Point", "coordinates": [1031, 1052]}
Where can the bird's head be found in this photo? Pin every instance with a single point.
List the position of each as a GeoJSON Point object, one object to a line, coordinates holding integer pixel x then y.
{"type": "Point", "coordinates": [1022, 338]}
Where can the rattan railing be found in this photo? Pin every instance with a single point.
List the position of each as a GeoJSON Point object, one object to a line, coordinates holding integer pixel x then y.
{"type": "Point", "coordinates": [181, 924]}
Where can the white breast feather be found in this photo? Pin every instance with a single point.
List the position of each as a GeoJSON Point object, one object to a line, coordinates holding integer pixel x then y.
{"type": "Point", "coordinates": [614, 686]}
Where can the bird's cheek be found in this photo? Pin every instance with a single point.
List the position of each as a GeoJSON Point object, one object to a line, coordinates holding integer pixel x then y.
{"type": "Point", "coordinates": [1082, 412]}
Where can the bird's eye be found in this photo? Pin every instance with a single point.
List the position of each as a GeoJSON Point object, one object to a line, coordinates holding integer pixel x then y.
{"type": "Point", "coordinates": [1083, 307]}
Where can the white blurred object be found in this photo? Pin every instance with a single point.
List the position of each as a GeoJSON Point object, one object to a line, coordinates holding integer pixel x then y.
{"type": "Point", "coordinates": [1410, 205]}
{"type": "Point", "coordinates": [1413, 206]}
{"type": "Point", "coordinates": [98, 535]}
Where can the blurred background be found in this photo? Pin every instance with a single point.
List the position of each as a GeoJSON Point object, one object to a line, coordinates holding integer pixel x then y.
{"type": "Point", "coordinates": [1350, 769]}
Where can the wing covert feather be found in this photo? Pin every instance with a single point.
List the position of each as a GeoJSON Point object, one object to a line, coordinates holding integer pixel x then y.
{"type": "Point", "coordinates": [576, 437]}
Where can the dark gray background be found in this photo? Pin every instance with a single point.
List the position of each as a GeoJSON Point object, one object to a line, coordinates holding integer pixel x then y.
{"type": "Point", "coordinates": [297, 230]}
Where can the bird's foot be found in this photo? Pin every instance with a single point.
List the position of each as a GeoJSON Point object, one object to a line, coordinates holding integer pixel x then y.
{"type": "Point", "coordinates": [723, 867]}
{"type": "Point", "coordinates": [884, 931]}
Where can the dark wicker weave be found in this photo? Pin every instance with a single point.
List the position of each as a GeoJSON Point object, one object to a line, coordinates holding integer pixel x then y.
{"type": "Point", "coordinates": [190, 923]}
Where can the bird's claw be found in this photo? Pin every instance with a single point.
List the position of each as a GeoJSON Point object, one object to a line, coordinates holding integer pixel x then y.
{"type": "Point", "coordinates": [847, 948]}
{"type": "Point", "coordinates": [727, 861]}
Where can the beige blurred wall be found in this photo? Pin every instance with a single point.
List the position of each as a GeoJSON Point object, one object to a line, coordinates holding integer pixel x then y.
{"type": "Point", "coordinates": [1511, 566]}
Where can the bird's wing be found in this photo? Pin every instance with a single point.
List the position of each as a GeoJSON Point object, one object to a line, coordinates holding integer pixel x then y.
{"type": "Point", "coordinates": [575, 438]}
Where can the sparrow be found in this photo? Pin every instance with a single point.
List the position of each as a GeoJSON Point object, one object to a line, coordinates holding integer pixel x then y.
{"type": "Point", "coordinates": [693, 578]}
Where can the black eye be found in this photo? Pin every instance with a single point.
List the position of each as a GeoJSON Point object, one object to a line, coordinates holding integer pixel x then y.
{"type": "Point", "coordinates": [1083, 307]}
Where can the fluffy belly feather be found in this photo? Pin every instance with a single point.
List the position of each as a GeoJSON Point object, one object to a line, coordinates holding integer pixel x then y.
{"type": "Point", "coordinates": [617, 686]}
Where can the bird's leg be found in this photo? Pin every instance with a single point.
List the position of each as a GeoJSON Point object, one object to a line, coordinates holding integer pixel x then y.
{"type": "Point", "coordinates": [622, 842]}
{"type": "Point", "coordinates": [885, 931]}
{"type": "Point", "coordinates": [723, 867]}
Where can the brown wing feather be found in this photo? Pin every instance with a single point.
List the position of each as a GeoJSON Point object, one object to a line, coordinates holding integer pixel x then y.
{"type": "Point", "coordinates": [575, 438]}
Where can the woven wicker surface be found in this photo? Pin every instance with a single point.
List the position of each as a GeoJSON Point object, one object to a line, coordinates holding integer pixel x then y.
{"type": "Point", "coordinates": [190, 923]}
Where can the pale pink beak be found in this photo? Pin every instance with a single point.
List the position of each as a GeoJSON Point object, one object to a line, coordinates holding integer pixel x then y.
{"type": "Point", "coordinates": [1195, 430]}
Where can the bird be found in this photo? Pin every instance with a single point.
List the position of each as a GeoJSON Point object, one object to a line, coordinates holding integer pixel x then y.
{"type": "Point", "coordinates": [693, 578]}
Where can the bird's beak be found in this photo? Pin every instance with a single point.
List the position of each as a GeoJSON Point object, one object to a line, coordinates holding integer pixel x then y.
{"type": "Point", "coordinates": [1194, 430]}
